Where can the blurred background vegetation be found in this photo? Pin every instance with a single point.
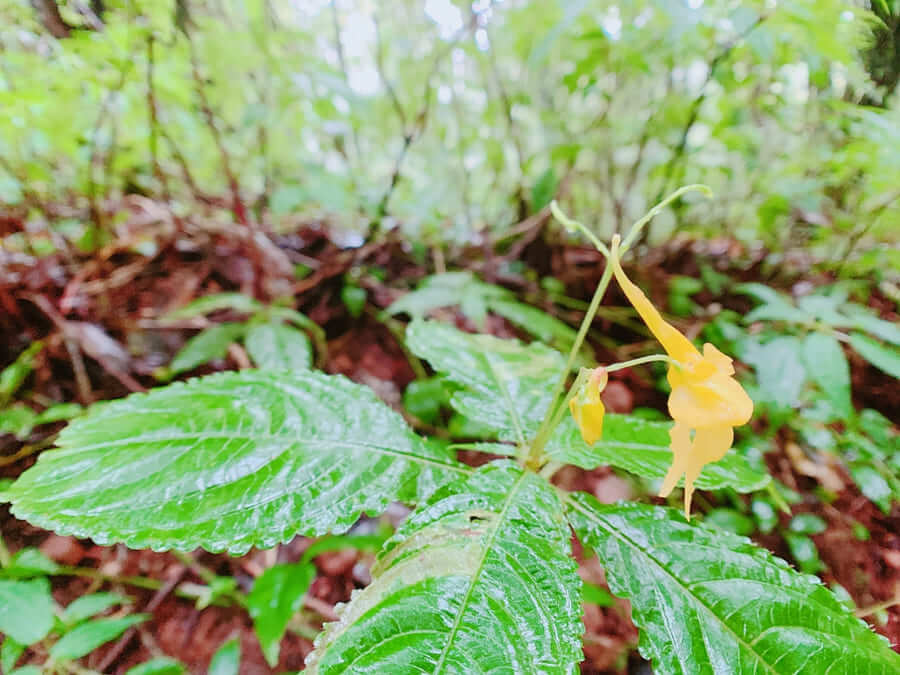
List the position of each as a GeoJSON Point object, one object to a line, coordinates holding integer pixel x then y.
{"type": "Point", "coordinates": [457, 120]}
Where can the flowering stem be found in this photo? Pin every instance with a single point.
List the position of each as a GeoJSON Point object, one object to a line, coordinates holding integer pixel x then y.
{"type": "Point", "coordinates": [636, 362]}
{"type": "Point", "coordinates": [546, 428]}
{"type": "Point", "coordinates": [575, 226]}
{"type": "Point", "coordinates": [652, 213]}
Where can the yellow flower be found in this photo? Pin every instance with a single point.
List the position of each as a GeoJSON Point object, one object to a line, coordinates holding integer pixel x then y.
{"type": "Point", "coordinates": [588, 409]}
{"type": "Point", "coordinates": [705, 398]}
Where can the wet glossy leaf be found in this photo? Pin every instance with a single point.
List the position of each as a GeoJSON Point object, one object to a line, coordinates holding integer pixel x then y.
{"type": "Point", "coordinates": [883, 357]}
{"type": "Point", "coordinates": [278, 347]}
{"type": "Point", "coordinates": [506, 385]}
{"type": "Point", "coordinates": [26, 610]}
{"type": "Point", "coordinates": [642, 447]}
{"type": "Point", "coordinates": [276, 596]}
{"type": "Point", "coordinates": [88, 636]}
{"type": "Point", "coordinates": [707, 601]}
{"type": "Point", "coordinates": [479, 576]}
{"type": "Point", "coordinates": [227, 462]}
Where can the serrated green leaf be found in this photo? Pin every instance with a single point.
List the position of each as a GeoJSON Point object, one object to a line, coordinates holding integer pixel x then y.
{"type": "Point", "coordinates": [506, 385]}
{"type": "Point", "coordinates": [211, 343]}
{"type": "Point", "coordinates": [707, 601]}
{"type": "Point", "coordinates": [883, 357]}
{"type": "Point", "coordinates": [227, 659]}
{"type": "Point", "coordinates": [229, 461]}
{"type": "Point", "coordinates": [237, 302]}
{"type": "Point", "coordinates": [26, 610]}
{"type": "Point", "coordinates": [478, 578]}
{"type": "Point", "coordinates": [160, 666]}
{"type": "Point", "coordinates": [88, 605]}
{"type": "Point", "coordinates": [85, 638]}
{"type": "Point", "coordinates": [641, 447]}
{"type": "Point", "coordinates": [276, 596]}
{"type": "Point", "coordinates": [828, 367]}
{"type": "Point", "coordinates": [278, 347]}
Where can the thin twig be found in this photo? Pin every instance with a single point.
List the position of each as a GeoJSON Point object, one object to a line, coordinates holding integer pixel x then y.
{"type": "Point", "coordinates": [237, 204]}
{"type": "Point", "coordinates": [414, 129]}
{"type": "Point", "coordinates": [151, 607]}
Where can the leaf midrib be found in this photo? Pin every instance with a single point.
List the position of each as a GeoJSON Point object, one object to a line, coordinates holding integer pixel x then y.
{"type": "Point", "coordinates": [488, 545]}
{"type": "Point", "coordinates": [628, 541]}
{"type": "Point", "coordinates": [136, 440]}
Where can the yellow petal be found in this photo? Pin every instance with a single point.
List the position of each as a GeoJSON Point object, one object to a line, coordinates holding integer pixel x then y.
{"type": "Point", "coordinates": [717, 400]}
{"type": "Point", "coordinates": [690, 456]}
{"type": "Point", "coordinates": [710, 445]}
{"type": "Point", "coordinates": [680, 436]}
{"type": "Point", "coordinates": [676, 345]}
{"type": "Point", "coordinates": [587, 408]}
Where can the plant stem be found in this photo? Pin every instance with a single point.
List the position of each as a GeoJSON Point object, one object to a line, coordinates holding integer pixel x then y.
{"type": "Point", "coordinates": [635, 230]}
{"type": "Point", "coordinates": [881, 606]}
{"type": "Point", "coordinates": [546, 428]}
{"type": "Point", "coordinates": [575, 226]}
{"type": "Point", "coordinates": [638, 361]}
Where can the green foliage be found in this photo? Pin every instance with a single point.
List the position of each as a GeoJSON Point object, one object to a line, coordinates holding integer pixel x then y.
{"type": "Point", "coordinates": [484, 555]}
{"type": "Point", "coordinates": [276, 596]}
{"type": "Point", "coordinates": [707, 601]}
{"type": "Point", "coordinates": [211, 343]}
{"type": "Point", "coordinates": [475, 299]}
{"type": "Point", "coordinates": [226, 660]}
{"type": "Point", "coordinates": [642, 448]}
{"type": "Point", "coordinates": [227, 462]}
{"type": "Point", "coordinates": [15, 374]}
{"type": "Point", "coordinates": [87, 606]}
{"type": "Point", "coordinates": [270, 343]}
{"type": "Point", "coordinates": [86, 637]}
{"type": "Point", "coordinates": [159, 666]}
{"type": "Point", "coordinates": [26, 610]}
{"type": "Point", "coordinates": [505, 385]}
{"type": "Point", "coordinates": [278, 347]}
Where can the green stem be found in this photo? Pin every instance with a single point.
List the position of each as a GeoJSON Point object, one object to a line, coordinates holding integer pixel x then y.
{"type": "Point", "coordinates": [575, 226]}
{"type": "Point", "coordinates": [636, 362]}
{"type": "Point", "coordinates": [652, 213]}
{"type": "Point", "coordinates": [546, 428]}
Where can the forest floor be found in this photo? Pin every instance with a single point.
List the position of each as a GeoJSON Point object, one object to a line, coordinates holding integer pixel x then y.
{"type": "Point", "coordinates": [98, 315]}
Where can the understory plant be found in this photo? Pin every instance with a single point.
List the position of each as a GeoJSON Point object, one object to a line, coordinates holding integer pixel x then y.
{"type": "Point", "coordinates": [480, 577]}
